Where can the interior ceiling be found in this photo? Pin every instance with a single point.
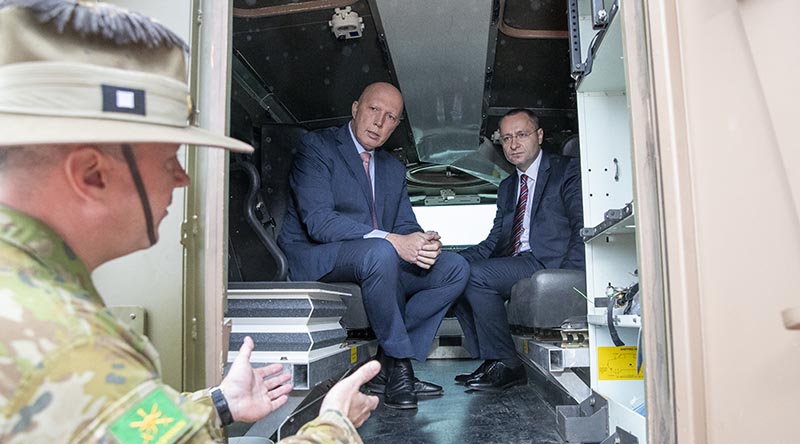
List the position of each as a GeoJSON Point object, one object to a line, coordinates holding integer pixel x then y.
{"type": "Point", "coordinates": [296, 71]}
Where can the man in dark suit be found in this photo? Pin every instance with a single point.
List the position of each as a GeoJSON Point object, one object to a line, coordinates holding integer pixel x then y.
{"type": "Point", "coordinates": [350, 219]}
{"type": "Point", "coordinates": [537, 225]}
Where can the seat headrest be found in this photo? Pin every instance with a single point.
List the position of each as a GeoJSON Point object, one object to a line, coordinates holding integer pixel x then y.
{"type": "Point", "coordinates": [571, 147]}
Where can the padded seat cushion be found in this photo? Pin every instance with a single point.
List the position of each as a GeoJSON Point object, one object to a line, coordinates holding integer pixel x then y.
{"type": "Point", "coordinates": [546, 299]}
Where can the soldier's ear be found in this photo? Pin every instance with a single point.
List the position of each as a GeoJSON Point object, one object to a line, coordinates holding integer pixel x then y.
{"type": "Point", "coordinates": [88, 171]}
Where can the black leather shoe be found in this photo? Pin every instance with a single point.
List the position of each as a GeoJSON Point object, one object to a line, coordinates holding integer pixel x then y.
{"type": "Point", "coordinates": [377, 385]}
{"type": "Point", "coordinates": [464, 377]}
{"type": "Point", "coordinates": [422, 389]}
{"type": "Point", "coordinates": [499, 377]}
{"type": "Point", "coordinates": [400, 386]}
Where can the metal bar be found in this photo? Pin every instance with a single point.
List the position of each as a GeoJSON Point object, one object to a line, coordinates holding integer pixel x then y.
{"type": "Point", "coordinates": [575, 41]}
{"type": "Point", "coordinates": [491, 52]}
{"type": "Point", "coordinates": [565, 379]}
{"type": "Point", "coordinates": [291, 8]}
{"type": "Point", "coordinates": [243, 75]}
{"type": "Point", "coordinates": [554, 358]}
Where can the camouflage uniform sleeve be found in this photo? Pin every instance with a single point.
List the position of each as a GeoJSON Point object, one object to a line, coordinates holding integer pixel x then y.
{"type": "Point", "coordinates": [203, 397]}
{"type": "Point", "coordinates": [98, 390]}
{"type": "Point", "coordinates": [330, 427]}
{"type": "Point", "coordinates": [152, 411]}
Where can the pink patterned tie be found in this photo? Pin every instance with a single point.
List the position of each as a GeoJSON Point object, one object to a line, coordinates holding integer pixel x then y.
{"type": "Point", "coordinates": [365, 159]}
{"type": "Point", "coordinates": [519, 215]}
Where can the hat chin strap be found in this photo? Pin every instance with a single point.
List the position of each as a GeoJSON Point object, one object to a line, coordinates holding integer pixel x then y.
{"type": "Point", "coordinates": [127, 152]}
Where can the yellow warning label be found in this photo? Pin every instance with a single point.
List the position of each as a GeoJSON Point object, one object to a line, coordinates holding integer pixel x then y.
{"type": "Point", "coordinates": [525, 346]}
{"type": "Point", "coordinates": [353, 355]}
{"type": "Point", "coordinates": [617, 364]}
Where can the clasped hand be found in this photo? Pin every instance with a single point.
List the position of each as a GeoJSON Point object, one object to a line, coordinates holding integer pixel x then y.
{"type": "Point", "coordinates": [420, 249]}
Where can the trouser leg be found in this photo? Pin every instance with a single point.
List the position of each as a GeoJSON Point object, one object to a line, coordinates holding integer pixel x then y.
{"type": "Point", "coordinates": [489, 285]}
{"type": "Point", "coordinates": [431, 292]}
{"type": "Point", "coordinates": [463, 312]}
{"type": "Point", "coordinates": [375, 266]}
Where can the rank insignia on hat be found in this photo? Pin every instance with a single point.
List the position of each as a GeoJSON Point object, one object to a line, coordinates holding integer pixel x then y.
{"type": "Point", "coordinates": [123, 100]}
{"type": "Point", "coordinates": [154, 420]}
{"type": "Point", "coordinates": [95, 65]}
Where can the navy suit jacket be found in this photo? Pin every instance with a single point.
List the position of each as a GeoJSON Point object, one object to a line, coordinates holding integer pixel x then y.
{"type": "Point", "coordinates": [556, 217]}
{"type": "Point", "coordinates": [331, 198]}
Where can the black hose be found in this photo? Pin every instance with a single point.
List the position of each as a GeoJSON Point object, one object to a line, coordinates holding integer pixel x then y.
{"type": "Point", "coordinates": [612, 330]}
{"type": "Point", "coordinates": [281, 264]}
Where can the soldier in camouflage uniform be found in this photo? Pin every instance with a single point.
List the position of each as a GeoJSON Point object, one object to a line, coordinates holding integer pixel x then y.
{"type": "Point", "coordinates": [78, 82]}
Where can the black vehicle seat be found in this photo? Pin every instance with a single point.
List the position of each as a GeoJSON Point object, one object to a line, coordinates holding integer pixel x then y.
{"type": "Point", "coordinates": [259, 200]}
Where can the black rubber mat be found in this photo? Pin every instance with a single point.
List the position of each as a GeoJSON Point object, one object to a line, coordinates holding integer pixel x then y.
{"type": "Point", "coordinates": [517, 415]}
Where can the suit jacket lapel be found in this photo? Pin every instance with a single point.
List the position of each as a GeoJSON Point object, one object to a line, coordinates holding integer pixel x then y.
{"type": "Point", "coordinates": [541, 181]}
{"type": "Point", "coordinates": [351, 158]}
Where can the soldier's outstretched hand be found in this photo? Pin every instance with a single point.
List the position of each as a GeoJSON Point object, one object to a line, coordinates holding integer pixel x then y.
{"type": "Point", "coordinates": [249, 394]}
{"type": "Point", "coordinates": [346, 397]}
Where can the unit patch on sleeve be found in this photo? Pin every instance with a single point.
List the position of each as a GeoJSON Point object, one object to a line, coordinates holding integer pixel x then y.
{"type": "Point", "coordinates": [154, 420]}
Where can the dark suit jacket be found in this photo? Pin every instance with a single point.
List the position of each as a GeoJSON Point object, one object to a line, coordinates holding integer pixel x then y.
{"type": "Point", "coordinates": [331, 198]}
{"type": "Point", "coordinates": [556, 219]}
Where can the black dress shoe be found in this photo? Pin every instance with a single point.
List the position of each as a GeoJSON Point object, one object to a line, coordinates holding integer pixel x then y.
{"type": "Point", "coordinates": [400, 386]}
{"type": "Point", "coordinates": [377, 385]}
{"type": "Point", "coordinates": [499, 377]}
{"type": "Point", "coordinates": [464, 377]}
{"type": "Point", "coordinates": [423, 389]}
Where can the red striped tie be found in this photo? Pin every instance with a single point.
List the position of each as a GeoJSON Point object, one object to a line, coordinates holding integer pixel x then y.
{"type": "Point", "coordinates": [365, 159]}
{"type": "Point", "coordinates": [519, 215]}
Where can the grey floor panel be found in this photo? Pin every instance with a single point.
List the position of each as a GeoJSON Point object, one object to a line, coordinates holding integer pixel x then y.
{"type": "Point", "coordinates": [518, 415]}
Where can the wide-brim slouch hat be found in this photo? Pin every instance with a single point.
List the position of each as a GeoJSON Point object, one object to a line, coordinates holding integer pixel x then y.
{"type": "Point", "coordinates": [86, 72]}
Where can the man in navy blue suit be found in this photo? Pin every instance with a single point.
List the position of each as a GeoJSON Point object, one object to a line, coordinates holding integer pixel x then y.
{"type": "Point", "coordinates": [537, 226]}
{"type": "Point", "coordinates": [350, 219]}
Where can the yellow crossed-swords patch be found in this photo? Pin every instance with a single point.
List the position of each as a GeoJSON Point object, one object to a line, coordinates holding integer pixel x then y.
{"type": "Point", "coordinates": [154, 420]}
